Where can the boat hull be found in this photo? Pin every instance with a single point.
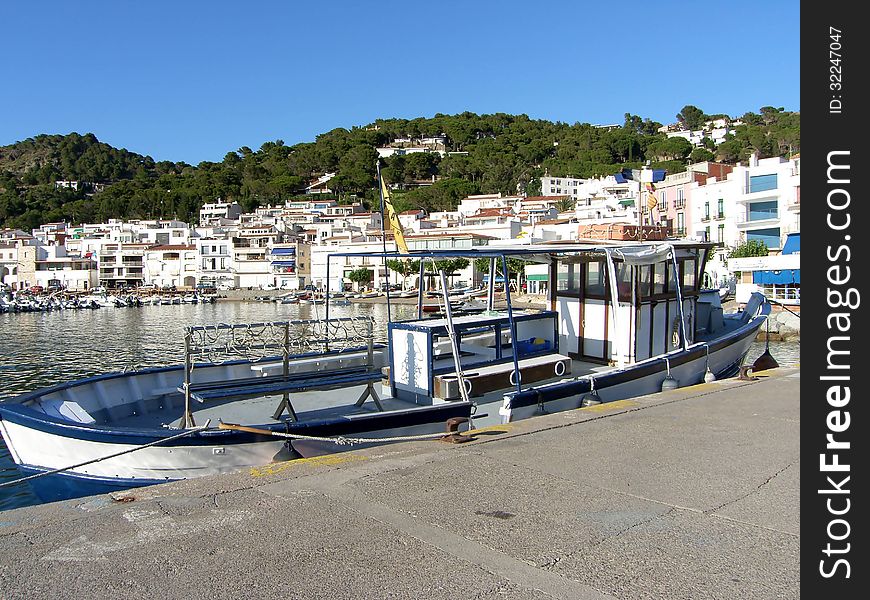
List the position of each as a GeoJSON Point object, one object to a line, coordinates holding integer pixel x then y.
{"type": "Point", "coordinates": [688, 367]}
{"type": "Point", "coordinates": [39, 444]}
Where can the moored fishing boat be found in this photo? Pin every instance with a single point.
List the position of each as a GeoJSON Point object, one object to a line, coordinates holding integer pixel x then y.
{"type": "Point", "coordinates": [620, 321]}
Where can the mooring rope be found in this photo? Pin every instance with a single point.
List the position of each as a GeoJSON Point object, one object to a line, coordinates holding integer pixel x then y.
{"type": "Point", "coordinates": [348, 441]}
{"type": "Point", "coordinates": [339, 440]}
{"type": "Point", "coordinates": [96, 460]}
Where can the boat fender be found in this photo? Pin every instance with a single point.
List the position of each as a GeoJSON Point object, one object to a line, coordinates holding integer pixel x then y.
{"type": "Point", "coordinates": [709, 377]}
{"type": "Point", "coordinates": [590, 399]}
{"type": "Point", "coordinates": [670, 383]}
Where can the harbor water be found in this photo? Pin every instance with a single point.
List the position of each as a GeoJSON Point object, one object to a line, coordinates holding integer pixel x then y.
{"type": "Point", "coordinates": [45, 348]}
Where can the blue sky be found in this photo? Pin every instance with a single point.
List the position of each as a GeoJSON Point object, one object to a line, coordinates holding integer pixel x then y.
{"type": "Point", "coordinates": [192, 80]}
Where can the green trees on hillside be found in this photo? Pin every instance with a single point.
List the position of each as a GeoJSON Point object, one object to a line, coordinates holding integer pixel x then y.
{"type": "Point", "coordinates": [484, 154]}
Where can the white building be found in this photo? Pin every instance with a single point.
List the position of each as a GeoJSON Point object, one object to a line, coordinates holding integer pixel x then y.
{"type": "Point", "coordinates": [588, 191]}
{"type": "Point", "coordinates": [215, 262]}
{"type": "Point", "coordinates": [472, 205]}
{"type": "Point", "coordinates": [290, 265]}
{"type": "Point", "coordinates": [340, 267]}
{"type": "Point", "coordinates": [250, 247]}
{"type": "Point", "coordinates": [25, 263]}
{"type": "Point", "coordinates": [218, 213]}
{"type": "Point", "coordinates": [171, 265]}
{"type": "Point", "coordinates": [757, 201]}
{"type": "Point", "coordinates": [121, 265]}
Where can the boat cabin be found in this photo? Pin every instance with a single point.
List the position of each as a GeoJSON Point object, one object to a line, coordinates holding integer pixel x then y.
{"type": "Point", "coordinates": [655, 309]}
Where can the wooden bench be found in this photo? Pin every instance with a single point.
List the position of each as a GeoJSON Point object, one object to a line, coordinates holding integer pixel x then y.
{"type": "Point", "coordinates": [488, 378]}
{"type": "Point", "coordinates": [335, 361]}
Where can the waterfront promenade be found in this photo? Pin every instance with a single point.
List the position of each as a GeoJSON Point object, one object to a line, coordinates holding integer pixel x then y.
{"type": "Point", "coordinates": [691, 493]}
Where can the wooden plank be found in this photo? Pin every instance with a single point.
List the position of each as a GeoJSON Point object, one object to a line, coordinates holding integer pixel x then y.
{"type": "Point", "coordinates": [497, 377]}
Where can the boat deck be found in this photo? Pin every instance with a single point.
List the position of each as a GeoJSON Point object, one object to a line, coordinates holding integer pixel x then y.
{"type": "Point", "coordinates": [315, 405]}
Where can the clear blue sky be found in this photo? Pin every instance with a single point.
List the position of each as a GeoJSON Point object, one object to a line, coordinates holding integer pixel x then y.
{"type": "Point", "coordinates": [191, 80]}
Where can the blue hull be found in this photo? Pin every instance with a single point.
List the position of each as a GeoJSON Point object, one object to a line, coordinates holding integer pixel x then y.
{"type": "Point", "coordinates": [64, 486]}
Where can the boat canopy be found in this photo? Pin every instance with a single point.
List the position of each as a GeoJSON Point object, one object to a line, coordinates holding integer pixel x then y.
{"type": "Point", "coordinates": [635, 253]}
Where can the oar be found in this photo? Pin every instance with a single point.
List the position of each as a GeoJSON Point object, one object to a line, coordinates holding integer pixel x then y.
{"type": "Point", "coordinates": [237, 427]}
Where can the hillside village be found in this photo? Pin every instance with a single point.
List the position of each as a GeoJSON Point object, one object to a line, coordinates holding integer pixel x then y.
{"type": "Point", "coordinates": [285, 246]}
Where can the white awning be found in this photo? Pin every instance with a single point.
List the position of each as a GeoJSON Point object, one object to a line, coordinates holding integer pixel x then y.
{"type": "Point", "coordinates": [642, 255]}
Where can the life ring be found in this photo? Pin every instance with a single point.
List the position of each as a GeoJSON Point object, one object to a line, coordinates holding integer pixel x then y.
{"type": "Point", "coordinates": [559, 368]}
{"type": "Point", "coordinates": [514, 376]}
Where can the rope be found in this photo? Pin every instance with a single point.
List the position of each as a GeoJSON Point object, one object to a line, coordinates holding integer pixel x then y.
{"type": "Point", "coordinates": [95, 460]}
{"type": "Point", "coordinates": [346, 441]}
{"type": "Point", "coordinates": [784, 307]}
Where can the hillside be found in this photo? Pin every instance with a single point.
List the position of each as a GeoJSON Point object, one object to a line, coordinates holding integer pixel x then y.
{"type": "Point", "coordinates": [486, 154]}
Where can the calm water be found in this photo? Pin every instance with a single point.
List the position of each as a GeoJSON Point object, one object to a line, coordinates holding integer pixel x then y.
{"type": "Point", "coordinates": [41, 349]}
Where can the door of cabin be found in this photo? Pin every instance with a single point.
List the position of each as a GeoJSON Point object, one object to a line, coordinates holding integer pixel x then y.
{"type": "Point", "coordinates": [581, 302]}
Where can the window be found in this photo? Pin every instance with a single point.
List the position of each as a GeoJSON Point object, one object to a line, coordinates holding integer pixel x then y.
{"type": "Point", "coordinates": [595, 279]}
{"type": "Point", "coordinates": [689, 275]}
{"type": "Point", "coordinates": [623, 281]}
{"type": "Point", "coordinates": [763, 210]}
{"type": "Point", "coordinates": [769, 236]}
{"type": "Point", "coordinates": [568, 278]}
{"type": "Point", "coordinates": [720, 237]}
{"type": "Point", "coordinates": [720, 208]}
{"type": "Point", "coordinates": [659, 278]}
{"type": "Point", "coordinates": [706, 210]}
{"type": "Point", "coordinates": [681, 223]}
{"type": "Point", "coordinates": [762, 183]}
{"type": "Point", "coordinates": [643, 280]}
{"type": "Point", "coordinates": [681, 198]}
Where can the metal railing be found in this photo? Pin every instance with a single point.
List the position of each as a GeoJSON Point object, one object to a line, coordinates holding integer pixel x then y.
{"type": "Point", "coordinates": [217, 344]}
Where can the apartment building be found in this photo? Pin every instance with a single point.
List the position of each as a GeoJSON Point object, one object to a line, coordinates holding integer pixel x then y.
{"type": "Point", "coordinates": [756, 201]}
{"type": "Point", "coordinates": [171, 265]}
{"type": "Point", "coordinates": [215, 262]}
{"type": "Point", "coordinates": [250, 247]}
{"type": "Point", "coordinates": [121, 265]}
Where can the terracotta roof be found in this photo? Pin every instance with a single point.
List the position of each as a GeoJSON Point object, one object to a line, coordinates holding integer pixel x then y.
{"type": "Point", "coordinates": [449, 234]}
{"type": "Point", "coordinates": [172, 247]}
{"type": "Point", "coordinates": [492, 212]}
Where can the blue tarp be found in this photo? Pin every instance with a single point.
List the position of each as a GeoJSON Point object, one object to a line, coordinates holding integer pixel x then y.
{"type": "Point", "coordinates": [792, 244]}
{"type": "Point", "coordinates": [784, 277]}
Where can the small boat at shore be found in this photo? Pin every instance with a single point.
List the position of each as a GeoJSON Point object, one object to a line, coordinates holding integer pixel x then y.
{"type": "Point", "coordinates": [624, 320]}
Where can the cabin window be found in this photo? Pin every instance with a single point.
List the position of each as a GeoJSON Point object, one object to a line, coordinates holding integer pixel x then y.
{"type": "Point", "coordinates": [569, 278]}
{"type": "Point", "coordinates": [644, 281]}
{"type": "Point", "coordinates": [623, 281]}
{"type": "Point", "coordinates": [659, 281]}
{"type": "Point", "coordinates": [595, 279]}
{"type": "Point", "coordinates": [689, 276]}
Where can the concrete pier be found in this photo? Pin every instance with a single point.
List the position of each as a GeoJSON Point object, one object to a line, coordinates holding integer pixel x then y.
{"type": "Point", "coordinates": [691, 493]}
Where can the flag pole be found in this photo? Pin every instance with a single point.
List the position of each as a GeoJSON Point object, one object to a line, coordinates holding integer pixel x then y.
{"type": "Point", "coordinates": [384, 235]}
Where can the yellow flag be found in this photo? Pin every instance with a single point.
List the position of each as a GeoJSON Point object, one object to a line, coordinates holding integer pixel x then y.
{"type": "Point", "coordinates": [393, 219]}
{"type": "Point", "coordinates": [651, 201]}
